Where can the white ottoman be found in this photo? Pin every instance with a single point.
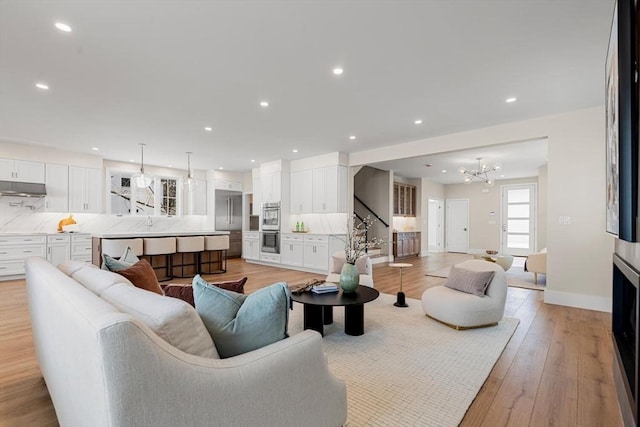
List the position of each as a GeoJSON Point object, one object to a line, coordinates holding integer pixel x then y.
{"type": "Point", "coordinates": [461, 310]}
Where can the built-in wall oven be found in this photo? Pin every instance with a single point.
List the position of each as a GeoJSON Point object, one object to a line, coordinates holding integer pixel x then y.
{"type": "Point", "coordinates": [270, 241]}
{"type": "Point", "coordinates": [271, 216]}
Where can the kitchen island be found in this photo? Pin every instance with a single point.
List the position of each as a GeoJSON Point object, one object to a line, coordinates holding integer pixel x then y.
{"type": "Point", "coordinates": [97, 238]}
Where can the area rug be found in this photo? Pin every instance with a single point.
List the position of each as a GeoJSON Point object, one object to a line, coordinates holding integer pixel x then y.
{"type": "Point", "coordinates": [516, 276]}
{"type": "Point", "coordinates": [408, 369]}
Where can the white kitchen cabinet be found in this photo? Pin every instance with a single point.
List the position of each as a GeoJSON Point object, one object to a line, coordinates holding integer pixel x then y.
{"type": "Point", "coordinates": [269, 257]}
{"type": "Point", "coordinates": [257, 195]}
{"type": "Point", "coordinates": [302, 192]}
{"type": "Point", "coordinates": [22, 171]}
{"type": "Point", "coordinates": [58, 248]}
{"type": "Point", "coordinates": [316, 252]}
{"type": "Point", "coordinates": [57, 184]}
{"type": "Point", "coordinates": [271, 184]}
{"type": "Point", "coordinates": [197, 199]}
{"type": "Point", "coordinates": [81, 247]}
{"type": "Point", "coordinates": [85, 190]}
{"type": "Point", "coordinates": [292, 250]}
{"type": "Point", "coordinates": [251, 245]}
{"type": "Point", "coordinates": [228, 185]}
{"type": "Point", "coordinates": [330, 189]}
{"type": "Point", "coordinates": [15, 249]}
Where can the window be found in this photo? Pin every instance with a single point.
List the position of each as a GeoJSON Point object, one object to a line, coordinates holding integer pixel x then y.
{"type": "Point", "coordinates": [169, 196]}
{"type": "Point", "coordinates": [160, 198]}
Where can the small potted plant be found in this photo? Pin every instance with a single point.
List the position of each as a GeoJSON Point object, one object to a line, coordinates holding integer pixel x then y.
{"type": "Point", "coordinates": [356, 244]}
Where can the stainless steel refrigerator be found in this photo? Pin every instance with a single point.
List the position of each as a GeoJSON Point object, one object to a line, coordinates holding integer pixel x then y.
{"type": "Point", "coordinates": [229, 218]}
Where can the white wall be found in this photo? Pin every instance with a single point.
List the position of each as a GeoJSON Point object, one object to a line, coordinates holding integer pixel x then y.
{"type": "Point", "coordinates": [542, 207]}
{"type": "Point", "coordinates": [579, 260]}
{"type": "Point", "coordinates": [484, 228]}
{"type": "Point", "coordinates": [429, 190]}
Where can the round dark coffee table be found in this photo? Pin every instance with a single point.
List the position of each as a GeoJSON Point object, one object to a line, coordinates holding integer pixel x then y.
{"type": "Point", "coordinates": [318, 308]}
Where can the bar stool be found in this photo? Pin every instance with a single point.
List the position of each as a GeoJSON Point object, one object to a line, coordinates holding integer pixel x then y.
{"type": "Point", "coordinates": [186, 260]}
{"type": "Point", "coordinates": [116, 247]}
{"type": "Point", "coordinates": [159, 252]}
{"type": "Point", "coordinates": [215, 254]}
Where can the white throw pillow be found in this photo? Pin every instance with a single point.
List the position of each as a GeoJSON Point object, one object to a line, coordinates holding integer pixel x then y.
{"type": "Point", "coordinates": [172, 319]}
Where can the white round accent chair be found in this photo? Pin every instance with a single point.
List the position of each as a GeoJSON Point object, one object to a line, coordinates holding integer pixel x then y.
{"type": "Point", "coordinates": [462, 310]}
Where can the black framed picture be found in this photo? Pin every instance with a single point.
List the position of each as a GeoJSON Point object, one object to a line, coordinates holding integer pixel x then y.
{"type": "Point", "coordinates": [621, 110]}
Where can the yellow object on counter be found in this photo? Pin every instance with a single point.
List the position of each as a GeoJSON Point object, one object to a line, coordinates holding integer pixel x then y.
{"type": "Point", "coordinates": [66, 221]}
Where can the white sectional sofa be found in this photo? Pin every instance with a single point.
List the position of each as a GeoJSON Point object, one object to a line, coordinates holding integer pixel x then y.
{"type": "Point", "coordinates": [105, 366]}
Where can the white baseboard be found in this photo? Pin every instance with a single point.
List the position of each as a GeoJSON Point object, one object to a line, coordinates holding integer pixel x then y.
{"type": "Point", "coordinates": [379, 260]}
{"type": "Point", "coordinates": [589, 302]}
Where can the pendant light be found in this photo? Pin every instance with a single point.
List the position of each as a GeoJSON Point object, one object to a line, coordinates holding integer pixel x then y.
{"type": "Point", "coordinates": [142, 180]}
{"type": "Point", "coordinates": [190, 183]}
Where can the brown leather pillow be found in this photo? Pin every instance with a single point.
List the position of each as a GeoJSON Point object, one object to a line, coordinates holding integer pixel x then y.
{"type": "Point", "coordinates": [141, 274]}
{"type": "Point", "coordinates": [185, 292]}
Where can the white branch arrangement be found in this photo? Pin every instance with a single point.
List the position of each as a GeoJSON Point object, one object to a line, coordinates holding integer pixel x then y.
{"type": "Point", "coordinates": [355, 243]}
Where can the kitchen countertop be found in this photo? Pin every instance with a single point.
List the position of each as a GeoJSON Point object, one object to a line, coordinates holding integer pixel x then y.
{"type": "Point", "coordinates": [169, 233]}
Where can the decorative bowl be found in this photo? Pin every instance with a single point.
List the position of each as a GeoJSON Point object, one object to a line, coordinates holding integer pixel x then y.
{"type": "Point", "coordinates": [491, 252]}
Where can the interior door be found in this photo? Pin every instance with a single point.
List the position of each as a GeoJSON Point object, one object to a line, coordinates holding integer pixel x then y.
{"type": "Point", "coordinates": [519, 219]}
{"type": "Point", "coordinates": [458, 225]}
{"type": "Point", "coordinates": [435, 229]}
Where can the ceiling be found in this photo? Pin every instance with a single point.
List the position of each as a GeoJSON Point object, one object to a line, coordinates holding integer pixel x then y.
{"type": "Point", "coordinates": [159, 72]}
{"type": "Point", "coordinates": [516, 160]}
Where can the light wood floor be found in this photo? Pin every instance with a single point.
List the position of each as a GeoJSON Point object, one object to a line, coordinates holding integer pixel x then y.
{"type": "Point", "coordinates": [555, 371]}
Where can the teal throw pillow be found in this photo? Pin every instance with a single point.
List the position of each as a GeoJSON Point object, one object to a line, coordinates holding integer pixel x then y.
{"type": "Point", "coordinates": [240, 323]}
{"type": "Point", "coordinates": [127, 259]}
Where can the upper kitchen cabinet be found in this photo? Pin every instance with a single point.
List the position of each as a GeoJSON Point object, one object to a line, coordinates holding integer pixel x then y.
{"type": "Point", "coordinates": [330, 189]}
{"type": "Point", "coordinates": [57, 184]}
{"type": "Point", "coordinates": [270, 185]}
{"type": "Point", "coordinates": [274, 182]}
{"type": "Point", "coordinates": [302, 192]}
{"type": "Point", "coordinates": [257, 196]}
{"type": "Point", "coordinates": [197, 199]}
{"type": "Point", "coordinates": [228, 185]}
{"type": "Point", "coordinates": [22, 171]}
{"type": "Point", "coordinates": [404, 199]}
{"type": "Point", "coordinates": [85, 190]}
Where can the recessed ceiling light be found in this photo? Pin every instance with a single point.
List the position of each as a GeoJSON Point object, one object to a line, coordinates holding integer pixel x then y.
{"type": "Point", "coordinates": [501, 176]}
{"type": "Point", "coordinates": [132, 160]}
{"type": "Point", "coordinates": [510, 100]}
{"type": "Point", "coordinates": [253, 161]}
{"type": "Point", "coordinates": [42, 86]}
{"type": "Point", "coordinates": [208, 129]}
{"type": "Point", "coordinates": [444, 171]}
{"type": "Point", "coordinates": [264, 104]}
{"type": "Point", "coordinates": [220, 168]}
{"type": "Point", "coordinates": [417, 122]}
{"type": "Point", "coordinates": [352, 137]}
{"type": "Point", "coordinates": [95, 148]}
{"type": "Point", "coordinates": [169, 166]}
{"type": "Point", "coordinates": [295, 150]}
{"type": "Point", "coordinates": [338, 70]}
{"type": "Point", "coordinates": [63, 27]}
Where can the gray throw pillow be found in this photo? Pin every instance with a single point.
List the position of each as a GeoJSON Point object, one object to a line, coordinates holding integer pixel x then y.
{"type": "Point", "coordinates": [241, 323]}
{"type": "Point", "coordinates": [127, 259]}
{"type": "Point", "coordinates": [471, 282]}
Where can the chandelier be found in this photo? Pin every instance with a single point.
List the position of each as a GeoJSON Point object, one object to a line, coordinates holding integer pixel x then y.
{"type": "Point", "coordinates": [190, 182]}
{"type": "Point", "coordinates": [482, 173]}
{"type": "Point", "coordinates": [142, 180]}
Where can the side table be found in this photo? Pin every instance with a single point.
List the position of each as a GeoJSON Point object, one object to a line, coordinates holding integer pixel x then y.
{"type": "Point", "coordinates": [401, 301]}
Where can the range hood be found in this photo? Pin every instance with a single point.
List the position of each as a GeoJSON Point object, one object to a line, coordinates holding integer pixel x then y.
{"type": "Point", "coordinates": [22, 189]}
